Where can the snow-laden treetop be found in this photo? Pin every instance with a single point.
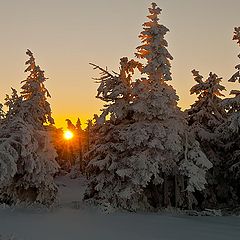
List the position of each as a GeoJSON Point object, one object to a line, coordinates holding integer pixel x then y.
{"type": "Point", "coordinates": [154, 48]}
{"type": "Point", "coordinates": [236, 76]}
{"type": "Point", "coordinates": [207, 109]}
{"type": "Point", "coordinates": [209, 88]}
{"type": "Point", "coordinates": [36, 109]}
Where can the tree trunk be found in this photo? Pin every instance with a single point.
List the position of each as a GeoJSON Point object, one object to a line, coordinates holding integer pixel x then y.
{"type": "Point", "coordinates": [165, 191]}
{"type": "Point", "coordinates": [176, 191]}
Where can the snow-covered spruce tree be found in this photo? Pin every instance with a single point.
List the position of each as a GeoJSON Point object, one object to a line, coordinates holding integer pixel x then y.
{"type": "Point", "coordinates": [144, 157]}
{"type": "Point", "coordinates": [232, 105]}
{"type": "Point", "coordinates": [230, 135]}
{"type": "Point", "coordinates": [207, 112]}
{"type": "Point", "coordinates": [236, 76]}
{"type": "Point", "coordinates": [105, 145]}
{"type": "Point", "coordinates": [35, 110]}
{"type": "Point", "coordinates": [115, 90]}
{"type": "Point", "coordinates": [173, 152]}
{"type": "Point", "coordinates": [27, 156]}
{"type": "Point", "coordinates": [205, 117]}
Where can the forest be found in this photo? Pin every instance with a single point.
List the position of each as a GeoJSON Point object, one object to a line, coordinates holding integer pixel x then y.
{"type": "Point", "coordinates": [143, 152]}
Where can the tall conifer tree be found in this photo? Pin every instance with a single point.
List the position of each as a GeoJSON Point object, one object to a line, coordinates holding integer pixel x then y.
{"type": "Point", "coordinates": [143, 154]}
{"type": "Point", "coordinates": [27, 156]}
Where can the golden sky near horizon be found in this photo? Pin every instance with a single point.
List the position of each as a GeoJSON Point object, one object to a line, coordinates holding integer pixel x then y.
{"type": "Point", "coordinates": [66, 35]}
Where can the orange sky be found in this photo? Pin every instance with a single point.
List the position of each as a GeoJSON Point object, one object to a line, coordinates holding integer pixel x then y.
{"type": "Point", "coordinates": [66, 35]}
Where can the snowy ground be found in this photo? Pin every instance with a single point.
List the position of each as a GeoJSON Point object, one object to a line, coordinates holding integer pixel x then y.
{"type": "Point", "coordinates": [72, 220]}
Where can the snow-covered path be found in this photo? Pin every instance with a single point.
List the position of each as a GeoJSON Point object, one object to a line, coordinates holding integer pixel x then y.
{"type": "Point", "coordinates": [73, 221]}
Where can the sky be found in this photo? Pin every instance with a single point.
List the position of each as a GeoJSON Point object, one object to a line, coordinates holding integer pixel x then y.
{"type": "Point", "coordinates": [66, 35]}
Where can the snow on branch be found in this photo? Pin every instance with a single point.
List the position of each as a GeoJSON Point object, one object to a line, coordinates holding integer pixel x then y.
{"type": "Point", "coordinates": [236, 35]}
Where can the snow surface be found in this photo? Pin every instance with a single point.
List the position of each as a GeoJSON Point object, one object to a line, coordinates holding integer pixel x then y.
{"type": "Point", "coordinates": [74, 220]}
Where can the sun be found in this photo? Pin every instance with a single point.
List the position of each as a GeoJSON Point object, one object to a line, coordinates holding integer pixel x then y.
{"type": "Point", "coordinates": [68, 135]}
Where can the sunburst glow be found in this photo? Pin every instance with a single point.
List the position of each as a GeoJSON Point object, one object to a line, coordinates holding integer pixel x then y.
{"type": "Point", "coordinates": [68, 135]}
